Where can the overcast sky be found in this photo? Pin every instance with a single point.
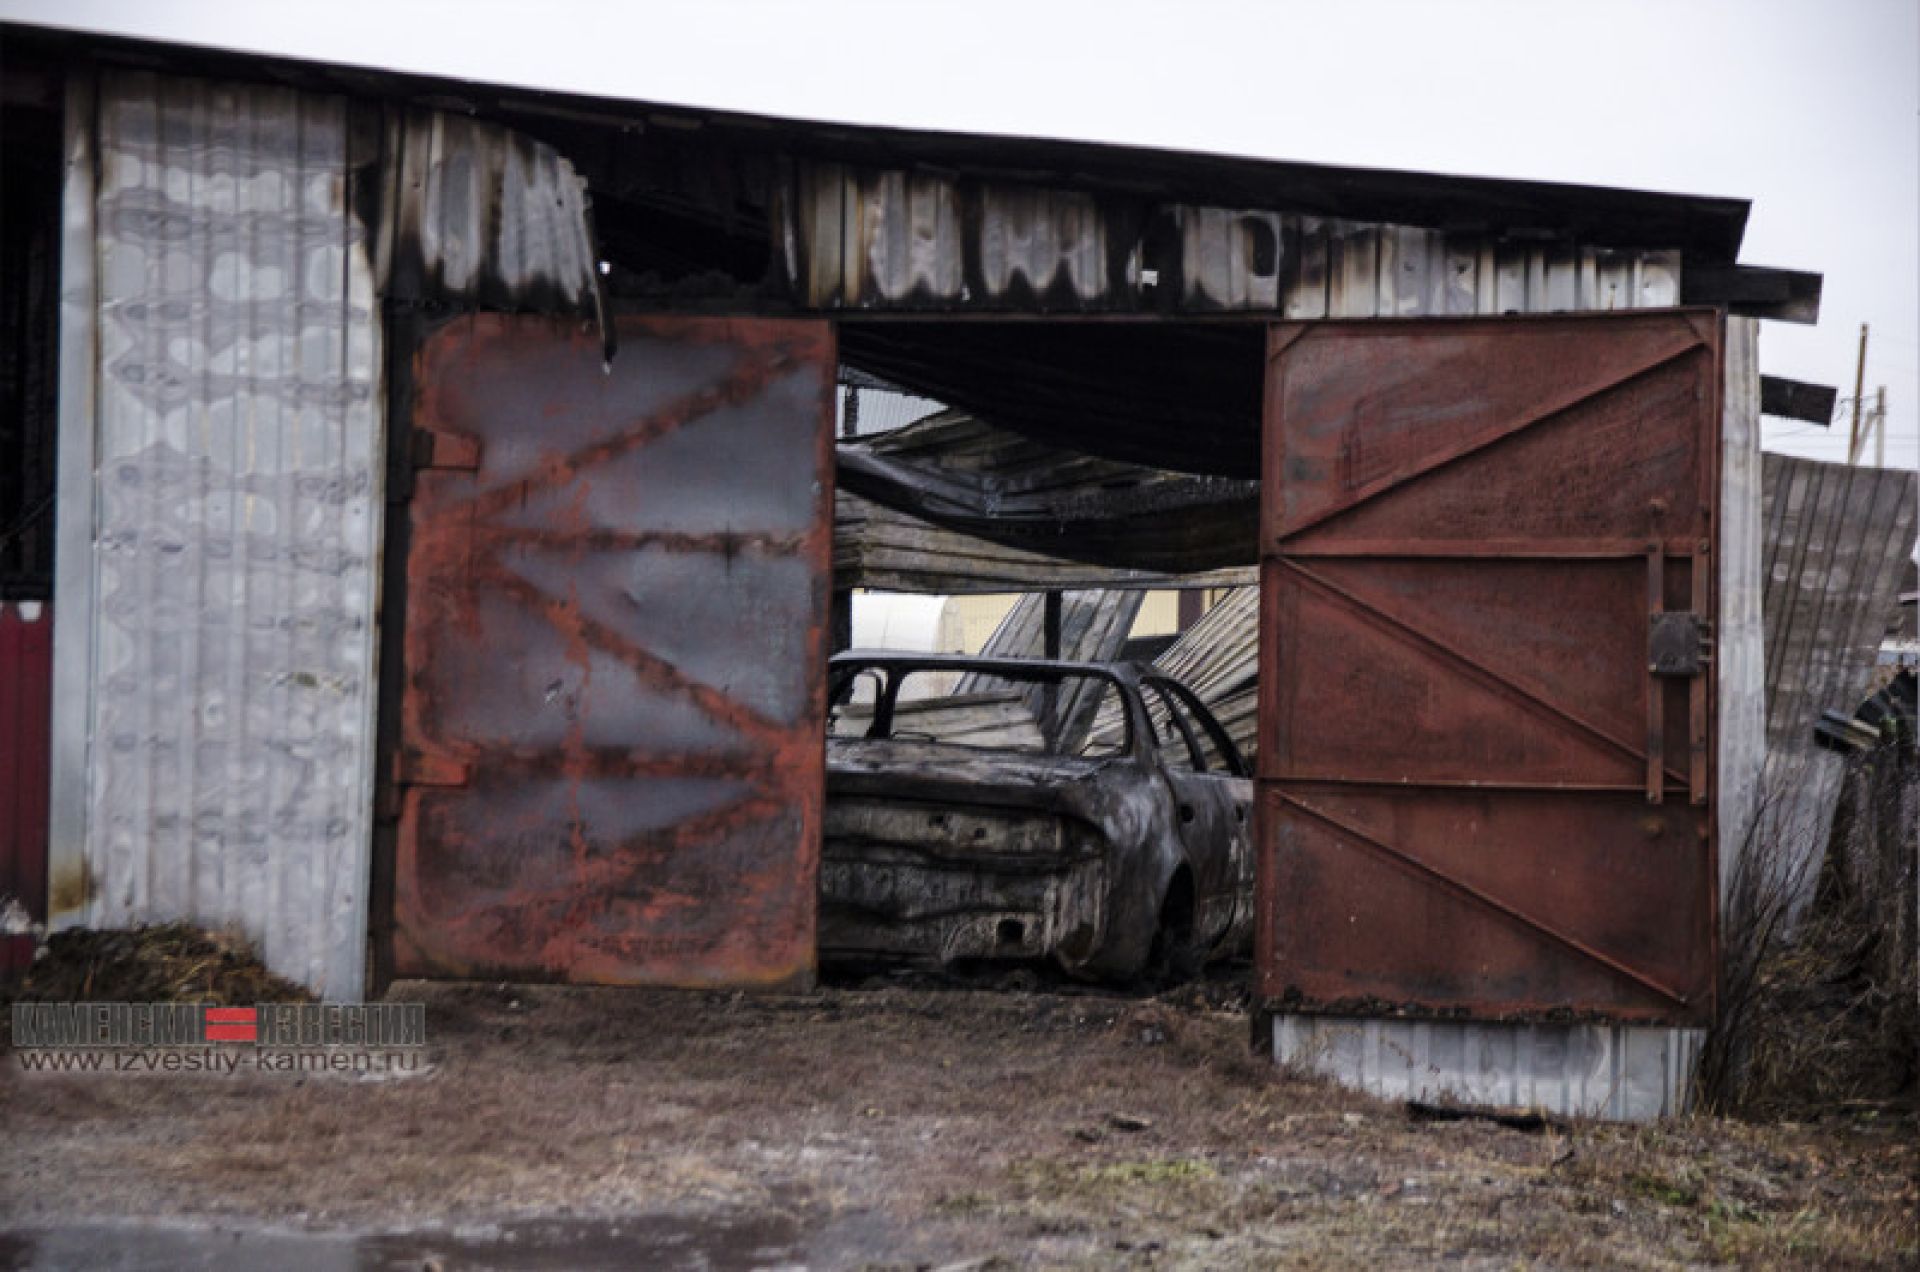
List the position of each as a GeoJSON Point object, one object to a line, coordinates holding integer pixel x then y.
{"type": "Point", "coordinates": [1810, 108]}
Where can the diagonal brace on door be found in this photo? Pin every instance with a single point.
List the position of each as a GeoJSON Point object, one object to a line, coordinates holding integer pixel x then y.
{"type": "Point", "coordinates": [1476, 669]}
{"type": "Point", "coordinates": [1487, 900]}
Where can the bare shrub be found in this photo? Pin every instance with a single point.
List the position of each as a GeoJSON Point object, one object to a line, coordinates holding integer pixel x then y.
{"type": "Point", "coordinates": [1820, 990]}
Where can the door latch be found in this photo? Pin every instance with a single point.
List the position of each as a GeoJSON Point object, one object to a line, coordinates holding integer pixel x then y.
{"type": "Point", "coordinates": [1679, 643]}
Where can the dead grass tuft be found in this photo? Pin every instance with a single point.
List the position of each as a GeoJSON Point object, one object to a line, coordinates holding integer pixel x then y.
{"type": "Point", "coordinates": [1820, 994]}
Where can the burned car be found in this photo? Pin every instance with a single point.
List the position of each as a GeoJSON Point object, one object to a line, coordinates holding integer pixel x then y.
{"type": "Point", "coordinates": [1093, 814]}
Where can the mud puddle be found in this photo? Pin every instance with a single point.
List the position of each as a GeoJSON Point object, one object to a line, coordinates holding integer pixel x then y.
{"type": "Point", "coordinates": [696, 1243]}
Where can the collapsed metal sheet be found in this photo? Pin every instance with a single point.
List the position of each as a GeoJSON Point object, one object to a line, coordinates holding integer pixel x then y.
{"type": "Point", "coordinates": [877, 547]}
{"type": "Point", "coordinates": [1093, 628]}
{"type": "Point", "coordinates": [963, 474]}
{"type": "Point", "coordinates": [1836, 539]}
{"type": "Point", "coordinates": [1219, 659]}
{"type": "Point", "coordinates": [611, 735]}
{"type": "Point", "coordinates": [1475, 795]}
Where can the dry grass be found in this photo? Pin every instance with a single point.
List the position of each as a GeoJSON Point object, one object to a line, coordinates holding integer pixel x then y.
{"type": "Point", "coordinates": [1820, 995]}
{"type": "Point", "coordinates": [164, 963]}
{"type": "Point", "coordinates": [1045, 1129]}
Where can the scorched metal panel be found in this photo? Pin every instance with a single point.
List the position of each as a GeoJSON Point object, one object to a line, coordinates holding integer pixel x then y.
{"type": "Point", "coordinates": [1485, 750]}
{"type": "Point", "coordinates": [612, 730]}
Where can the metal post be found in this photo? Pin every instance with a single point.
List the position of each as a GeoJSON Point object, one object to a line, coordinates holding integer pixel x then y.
{"type": "Point", "coordinates": [840, 620]}
{"type": "Point", "coordinates": [1859, 391]}
{"type": "Point", "coordinates": [850, 412]}
{"type": "Point", "coordinates": [1050, 644]}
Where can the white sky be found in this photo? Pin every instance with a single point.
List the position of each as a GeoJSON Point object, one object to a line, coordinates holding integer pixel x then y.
{"type": "Point", "coordinates": [1811, 108]}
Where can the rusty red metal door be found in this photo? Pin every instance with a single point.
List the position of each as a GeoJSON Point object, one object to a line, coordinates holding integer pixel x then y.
{"type": "Point", "coordinates": [26, 703]}
{"type": "Point", "coordinates": [611, 752]}
{"type": "Point", "coordinates": [1486, 717]}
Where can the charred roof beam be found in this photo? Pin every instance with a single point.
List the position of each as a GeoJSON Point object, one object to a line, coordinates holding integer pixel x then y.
{"type": "Point", "coordinates": [1754, 291]}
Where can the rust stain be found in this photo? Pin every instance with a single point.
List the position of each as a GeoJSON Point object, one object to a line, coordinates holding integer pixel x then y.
{"type": "Point", "coordinates": [643, 800]}
{"type": "Point", "coordinates": [71, 890]}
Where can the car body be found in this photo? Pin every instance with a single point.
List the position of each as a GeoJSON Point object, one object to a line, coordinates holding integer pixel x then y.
{"type": "Point", "coordinates": [1093, 814]}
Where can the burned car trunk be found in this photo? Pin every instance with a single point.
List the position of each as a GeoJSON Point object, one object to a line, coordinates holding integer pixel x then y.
{"type": "Point", "coordinates": [976, 825]}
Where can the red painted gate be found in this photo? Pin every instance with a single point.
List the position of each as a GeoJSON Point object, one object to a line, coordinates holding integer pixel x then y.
{"type": "Point", "coordinates": [610, 757]}
{"type": "Point", "coordinates": [26, 699]}
{"type": "Point", "coordinates": [1486, 718]}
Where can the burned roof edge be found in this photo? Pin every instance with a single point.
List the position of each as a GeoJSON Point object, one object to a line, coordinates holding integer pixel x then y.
{"type": "Point", "coordinates": [1706, 228]}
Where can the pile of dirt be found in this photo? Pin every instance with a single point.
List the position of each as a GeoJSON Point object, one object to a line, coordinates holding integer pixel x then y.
{"type": "Point", "coordinates": [165, 963]}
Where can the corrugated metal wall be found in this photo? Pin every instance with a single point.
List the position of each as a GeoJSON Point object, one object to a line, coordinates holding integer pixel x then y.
{"type": "Point", "coordinates": [1633, 1073]}
{"type": "Point", "coordinates": [226, 743]}
{"type": "Point", "coordinates": [895, 239]}
{"type": "Point", "coordinates": [479, 215]}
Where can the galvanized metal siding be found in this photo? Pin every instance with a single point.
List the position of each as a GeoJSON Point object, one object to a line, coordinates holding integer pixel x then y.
{"type": "Point", "coordinates": [236, 527]}
{"type": "Point", "coordinates": [1631, 1073]}
{"type": "Point", "coordinates": [477, 214]}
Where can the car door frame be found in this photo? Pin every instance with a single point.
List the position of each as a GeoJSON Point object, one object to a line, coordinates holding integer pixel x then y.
{"type": "Point", "coordinates": [1210, 817]}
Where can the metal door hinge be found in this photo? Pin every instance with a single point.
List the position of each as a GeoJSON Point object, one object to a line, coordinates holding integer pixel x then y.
{"type": "Point", "coordinates": [433, 449]}
{"type": "Point", "coordinates": [411, 768]}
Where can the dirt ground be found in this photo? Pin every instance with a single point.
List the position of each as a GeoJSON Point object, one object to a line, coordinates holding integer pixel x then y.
{"type": "Point", "coordinates": [904, 1127]}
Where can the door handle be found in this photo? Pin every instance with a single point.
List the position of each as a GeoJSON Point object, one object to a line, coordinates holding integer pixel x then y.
{"type": "Point", "coordinates": [1186, 812]}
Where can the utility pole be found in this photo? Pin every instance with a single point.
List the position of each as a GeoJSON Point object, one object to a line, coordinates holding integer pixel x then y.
{"type": "Point", "coordinates": [1859, 391]}
{"type": "Point", "coordinates": [1880, 428]}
